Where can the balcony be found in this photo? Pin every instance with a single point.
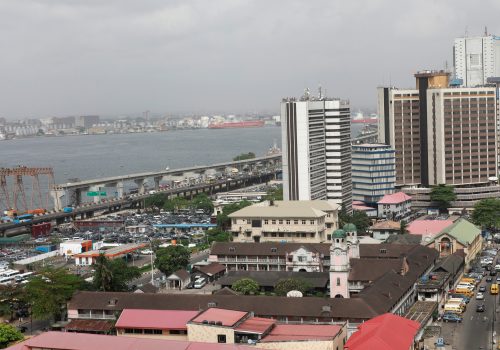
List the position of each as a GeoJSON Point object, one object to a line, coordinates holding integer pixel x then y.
{"type": "Point", "coordinates": [96, 316]}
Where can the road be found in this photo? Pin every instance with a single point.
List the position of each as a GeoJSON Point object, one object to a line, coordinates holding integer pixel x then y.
{"type": "Point", "coordinates": [475, 331]}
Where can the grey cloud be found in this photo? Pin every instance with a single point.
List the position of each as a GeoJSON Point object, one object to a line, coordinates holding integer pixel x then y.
{"type": "Point", "coordinates": [118, 56]}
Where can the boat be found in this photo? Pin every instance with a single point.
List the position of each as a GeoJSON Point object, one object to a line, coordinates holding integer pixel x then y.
{"type": "Point", "coordinates": [233, 125]}
{"type": "Point", "coordinates": [274, 150]}
{"type": "Point", "coordinates": [361, 119]}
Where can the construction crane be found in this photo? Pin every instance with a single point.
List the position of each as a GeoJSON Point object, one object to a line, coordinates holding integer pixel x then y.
{"type": "Point", "coordinates": [16, 199]}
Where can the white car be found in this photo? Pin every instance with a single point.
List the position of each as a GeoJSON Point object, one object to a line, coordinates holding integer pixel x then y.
{"type": "Point", "coordinates": [479, 296]}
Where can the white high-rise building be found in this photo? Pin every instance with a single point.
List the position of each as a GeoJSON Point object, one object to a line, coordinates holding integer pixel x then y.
{"type": "Point", "coordinates": [476, 59]}
{"type": "Point", "coordinates": [316, 134]}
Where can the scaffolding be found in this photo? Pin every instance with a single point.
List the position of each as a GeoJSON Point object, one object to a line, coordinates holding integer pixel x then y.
{"type": "Point", "coordinates": [16, 197]}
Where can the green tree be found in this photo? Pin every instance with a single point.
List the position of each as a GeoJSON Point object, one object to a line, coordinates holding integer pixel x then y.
{"type": "Point", "coordinates": [172, 258]}
{"type": "Point", "coordinates": [361, 220]}
{"type": "Point", "coordinates": [244, 156]}
{"type": "Point", "coordinates": [275, 194]}
{"type": "Point", "coordinates": [218, 235]}
{"type": "Point", "coordinates": [283, 286]}
{"type": "Point", "coordinates": [175, 204]}
{"type": "Point", "coordinates": [246, 286]}
{"type": "Point", "coordinates": [403, 227]}
{"type": "Point", "coordinates": [487, 213]}
{"type": "Point", "coordinates": [443, 195]}
{"type": "Point", "coordinates": [223, 220]}
{"type": "Point", "coordinates": [113, 275]}
{"type": "Point", "coordinates": [9, 334]}
{"type": "Point", "coordinates": [203, 202]}
{"type": "Point", "coordinates": [49, 291]}
{"type": "Point", "coordinates": [11, 298]}
{"type": "Point", "coordinates": [344, 217]}
{"type": "Point", "coordinates": [155, 201]}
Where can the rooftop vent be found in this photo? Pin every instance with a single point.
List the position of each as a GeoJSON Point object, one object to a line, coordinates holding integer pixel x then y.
{"type": "Point", "coordinates": [211, 322]}
{"type": "Point", "coordinates": [326, 308]}
{"type": "Point", "coordinates": [212, 304]}
{"type": "Point", "coordinates": [204, 322]}
{"type": "Point", "coordinates": [113, 302]}
{"type": "Point", "coordinates": [218, 323]}
{"type": "Point", "coordinates": [383, 251]}
{"type": "Point", "coordinates": [231, 249]}
{"type": "Point", "coordinates": [274, 250]}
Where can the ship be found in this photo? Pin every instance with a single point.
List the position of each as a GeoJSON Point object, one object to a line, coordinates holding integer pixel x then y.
{"type": "Point", "coordinates": [233, 125]}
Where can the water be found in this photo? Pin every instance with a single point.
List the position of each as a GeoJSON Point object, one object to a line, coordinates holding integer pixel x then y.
{"type": "Point", "coordinates": [97, 156]}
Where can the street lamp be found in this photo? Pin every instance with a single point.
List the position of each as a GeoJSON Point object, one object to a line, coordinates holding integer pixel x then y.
{"type": "Point", "coordinates": [151, 255]}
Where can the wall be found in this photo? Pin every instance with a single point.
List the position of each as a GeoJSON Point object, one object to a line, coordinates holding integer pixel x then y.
{"type": "Point", "coordinates": [164, 335]}
{"type": "Point", "coordinates": [301, 345]}
{"type": "Point", "coordinates": [208, 333]}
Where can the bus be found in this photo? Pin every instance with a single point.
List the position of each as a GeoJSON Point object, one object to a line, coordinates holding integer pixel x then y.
{"type": "Point", "coordinates": [199, 283]}
{"type": "Point", "coordinates": [9, 273]}
{"type": "Point", "coordinates": [23, 276]}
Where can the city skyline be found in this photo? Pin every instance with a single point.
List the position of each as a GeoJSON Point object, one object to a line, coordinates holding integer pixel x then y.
{"type": "Point", "coordinates": [120, 56]}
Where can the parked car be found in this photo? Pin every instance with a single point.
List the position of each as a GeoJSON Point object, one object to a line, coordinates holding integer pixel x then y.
{"type": "Point", "coordinates": [480, 308]}
{"type": "Point", "coordinates": [451, 317]}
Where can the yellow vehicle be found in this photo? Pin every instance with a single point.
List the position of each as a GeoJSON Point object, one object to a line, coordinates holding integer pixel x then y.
{"type": "Point", "coordinates": [494, 288]}
{"type": "Point", "coordinates": [468, 280]}
{"type": "Point", "coordinates": [453, 307]}
{"type": "Point", "coordinates": [465, 291]}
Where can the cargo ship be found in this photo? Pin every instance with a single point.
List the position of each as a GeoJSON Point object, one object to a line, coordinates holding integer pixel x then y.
{"type": "Point", "coordinates": [232, 125]}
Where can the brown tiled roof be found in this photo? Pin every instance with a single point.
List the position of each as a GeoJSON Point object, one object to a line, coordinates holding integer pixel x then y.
{"type": "Point", "coordinates": [384, 250]}
{"type": "Point", "coordinates": [386, 225]}
{"type": "Point", "coordinates": [148, 288]}
{"type": "Point", "coordinates": [211, 269]}
{"type": "Point", "coordinates": [370, 270]}
{"type": "Point", "coordinates": [225, 291]}
{"type": "Point", "coordinates": [182, 274]}
{"type": "Point", "coordinates": [89, 326]}
{"type": "Point", "coordinates": [265, 248]}
{"type": "Point", "coordinates": [263, 306]}
{"type": "Point", "coordinates": [404, 239]}
{"type": "Point", "coordinates": [270, 278]}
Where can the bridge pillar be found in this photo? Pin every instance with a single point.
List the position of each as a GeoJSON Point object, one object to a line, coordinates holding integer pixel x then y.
{"type": "Point", "coordinates": [140, 185]}
{"type": "Point", "coordinates": [57, 198]}
{"type": "Point", "coordinates": [157, 180]}
{"type": "Point", "coordinates": [119, 189]}
{"type": "Point", "coordinates": [96, 188]}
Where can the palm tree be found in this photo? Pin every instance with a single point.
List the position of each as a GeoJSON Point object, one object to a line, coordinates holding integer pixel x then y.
{"type": "Point", "coordinates": [103, 276]}
{"type": "Point", "coordinates": [403, 227]}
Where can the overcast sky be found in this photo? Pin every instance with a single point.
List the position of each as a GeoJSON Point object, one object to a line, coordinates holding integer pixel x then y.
{"type": "Point", "coordinates": [113, 57]}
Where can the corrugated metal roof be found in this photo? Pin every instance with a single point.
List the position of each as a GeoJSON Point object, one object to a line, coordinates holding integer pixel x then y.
{"type": "Point", "coordinates": [155, 319]}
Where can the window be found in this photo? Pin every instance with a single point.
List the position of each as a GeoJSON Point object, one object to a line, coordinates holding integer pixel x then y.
{"type": "Point", "coordinates": [221, 338]}
{"type": "Point", "coordinates": [338, 281]}
{"type": "Point", "coordinates": [129, 330]}
{"type": "Point", "coordinates": [303, 222]}
{"type": "Point", "coordinates": [177, 331]}
{"type": "Point", "coordinates": [281, 222]}
{"type": "Point", "coordinates": [234, 221]}
{"type": "Point", "coordinates": [266, 222]}
{"type": "Point", "coordinates": [274, 250]}
{"type": "Point", "coordinates": [256, 223]}
{"type": "Point", "coordinates": [312, 222]}
{"type": "Point", "coordinates": [295, 222]}
{"type": "Point", "coordinates": [273, 222]}
{"type": "Point", "coordinates": [288, 222]}
{"type": "Point", "coordinates": [302, 258]}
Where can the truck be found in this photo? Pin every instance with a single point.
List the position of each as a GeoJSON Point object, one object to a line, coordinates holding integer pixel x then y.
{"type": "Point", "coordinates": [68, 209]}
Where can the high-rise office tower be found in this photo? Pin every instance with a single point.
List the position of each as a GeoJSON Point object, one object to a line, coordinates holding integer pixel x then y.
{"type": "Point", "coordinates": [373, 172]}
{"type": "Point", "coordinates": [476, 59]}
{"type": "Point", "coordinates": [316, 134]}
{"type": "Point", "coordinates": [441, 134]}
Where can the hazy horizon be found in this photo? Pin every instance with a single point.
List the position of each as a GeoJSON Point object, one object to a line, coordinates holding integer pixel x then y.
{"type": "Point", "coordinates": [114, 57]}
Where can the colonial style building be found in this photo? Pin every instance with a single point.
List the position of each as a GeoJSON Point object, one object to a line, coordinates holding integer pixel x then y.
{"type": "Point", "coordinates": [285, 221]}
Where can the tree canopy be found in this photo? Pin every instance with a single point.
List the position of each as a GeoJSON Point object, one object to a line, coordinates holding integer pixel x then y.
{"type": "Point", "coordinates": [218, 235]}
{"type": "Point", "coordinates": [203, 202]}
{"type": "Point", "coordinates": [49, 291]}
{"type": "Point", "coordinates": [403, 227]}
{"type": "Point", "coordinates": [275, 194]}
{"type": "Point", "coordinates": [487, 213]}
{"type": "Point", "coordinates": [223, 220]}
{"type": "Point", "coordinates": [283, 286]}
{"type": "Point", "coordinates": [113, 275]}
{"type": "Point", "coordinates": [246, 286]}
{"type": "Point", "coordinates": [443, 195]}
{"type": "Point", "coordinates": [172, 258]}
{"type": "Point", "coordinates": [358, 218]}
{"type": "Point", "coordinates": [9, 334]}
{"type": "Point", "coordinates": [244, 156]}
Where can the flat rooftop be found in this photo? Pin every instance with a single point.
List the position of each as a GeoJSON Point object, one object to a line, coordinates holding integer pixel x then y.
{"type": "Point", "coordinates": [228, 318]}
{"type": "Point", "coordinates": [155, 319]}
{"type": "Point", "coordinates": [114, 251]}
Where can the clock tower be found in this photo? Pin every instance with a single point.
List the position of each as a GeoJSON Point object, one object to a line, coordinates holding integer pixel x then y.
{"type": "Point", "coordinates": [351, 233]}
{"type": "Point", "coordinates": [339, 265]}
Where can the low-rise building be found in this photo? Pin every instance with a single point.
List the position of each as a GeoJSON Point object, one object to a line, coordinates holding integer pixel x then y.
{"type": "Point", "coordinates": [210, 272]}
{"type": "Point", "coordinates": [396, 206]}
{"type": "Point", "coordinates": [371, 212]}
{"type": "Point", "coordinates": [379, 333]}
{"type": "Point", "coordinates": [384, 229]}
{"type": "Point", "coordinates": [178, 279]}
{"type": "Point", "coordinates": [285, 221]}
{"type": "Point", "coordinates": [160, 324]}
{"type": "Point", "coordinates": [427, 228]}
{"type": "Point", "coordinates": [74, 246]}
{"type": "Point", "coordinates": [89, 257]}
{"type": "Point", "coordinates": [461, 235]}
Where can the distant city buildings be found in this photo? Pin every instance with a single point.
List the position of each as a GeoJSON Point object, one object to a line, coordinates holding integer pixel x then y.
{"type": "Point", "coordinates": [87, 121]}
{"type": "Point", "coordinates": [316, 135]}
{"type": "Point", "coordinates": [441, 134]}
{"type": "Point", "coordinates": [476, 59]}
{"type": "Point", "coordinates": [373, 172]}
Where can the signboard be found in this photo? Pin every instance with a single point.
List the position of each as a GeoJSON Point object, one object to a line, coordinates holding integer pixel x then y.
{"type": "Point", "coordinates": [96, 193]}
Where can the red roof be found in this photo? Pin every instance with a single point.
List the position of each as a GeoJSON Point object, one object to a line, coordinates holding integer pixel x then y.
{"type": "Point", "coordinates": [85, 341]}
{"type": "Point", "coordinates": [395, 198]}
{"type": "Point", "coordinates": [228, 317]}
{"type": "Point", "coordinates": [428, 227]}
{"type": "Point", "coordinates": [385, 332]}
{"type": "Point", "coordinates": [256, 325]}
{"type": "Point", "coordinates": [362, 207]}
{"type": "Point", "coordinates": [288, 332]}
{"type": "Point", "coordinates": [155, 319]}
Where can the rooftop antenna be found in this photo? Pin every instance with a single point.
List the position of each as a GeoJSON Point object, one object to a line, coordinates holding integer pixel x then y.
{"type": "Point", "coordinates": [320, 92]}
{"type": "Point", "coordinates": [446, 65]}
{"type": "Point", "coordinates": [485, 31]}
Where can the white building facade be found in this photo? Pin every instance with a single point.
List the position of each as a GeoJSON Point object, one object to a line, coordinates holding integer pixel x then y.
{"type": "Point", "coordinates": [476, 59]}
{"type": "Point", "coordinates": [316, 147]}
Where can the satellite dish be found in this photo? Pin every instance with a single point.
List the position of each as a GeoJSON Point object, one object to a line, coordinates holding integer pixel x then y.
{"type": "Point", "coordinates": [294, 294]}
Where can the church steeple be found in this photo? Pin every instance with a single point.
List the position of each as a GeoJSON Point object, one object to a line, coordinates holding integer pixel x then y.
{"type": "Point", "coordinates": [339, 265]}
